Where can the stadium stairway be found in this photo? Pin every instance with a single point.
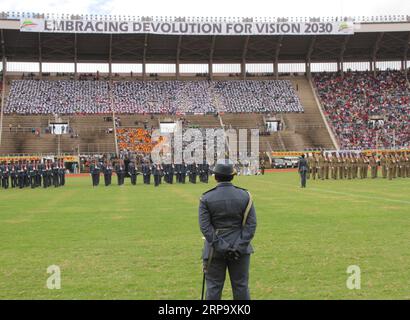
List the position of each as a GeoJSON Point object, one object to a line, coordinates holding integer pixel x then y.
{"type": "Point", "coordinates": [305, 130]}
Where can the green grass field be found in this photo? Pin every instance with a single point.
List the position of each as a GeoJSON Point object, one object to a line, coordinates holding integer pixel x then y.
{"type": "Point", "coordinates": [143, 242]}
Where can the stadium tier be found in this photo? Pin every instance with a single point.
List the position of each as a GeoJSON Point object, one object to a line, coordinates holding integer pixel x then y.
{"type": "Point", "coordinates": [158, 97]}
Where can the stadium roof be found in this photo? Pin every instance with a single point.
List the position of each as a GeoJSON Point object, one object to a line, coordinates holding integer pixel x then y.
{"type": "Point", "coordinates": [377, 39]}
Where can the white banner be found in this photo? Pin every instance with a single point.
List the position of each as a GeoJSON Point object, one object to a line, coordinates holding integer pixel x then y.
{"type": "Point", "coordinates": [187, 28]}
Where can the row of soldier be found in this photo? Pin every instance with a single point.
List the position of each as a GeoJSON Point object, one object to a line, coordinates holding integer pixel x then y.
{"type": "Point", "coordinates": [32, 174]}
{"type": "Point", "coordinates": [147, 169]}
{"type": "Point", "coordinates": [356, 165]}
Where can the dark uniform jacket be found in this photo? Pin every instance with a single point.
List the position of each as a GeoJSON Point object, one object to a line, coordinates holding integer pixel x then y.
{"type": "Point", "coordinates": [303, 165]}
{"type": "Point", "coordinates": [221, 212]}
{"type": "Point", "coordinates": [132, 169]}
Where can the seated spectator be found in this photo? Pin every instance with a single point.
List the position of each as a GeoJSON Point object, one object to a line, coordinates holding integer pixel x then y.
{"type": "Point", "coordinates": [352, 101]}
{"type": "Point", "coordinates": [150, 97]}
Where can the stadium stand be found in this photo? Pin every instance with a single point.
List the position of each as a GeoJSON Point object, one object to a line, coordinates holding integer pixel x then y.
{"type": "Point", "coordinates": [151, 97]}
{"type": "Point", "coordinates": [367, 110]}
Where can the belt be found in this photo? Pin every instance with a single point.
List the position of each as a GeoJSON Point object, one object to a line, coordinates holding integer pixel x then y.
{"type": "Point", "coordinates": [226, 229]}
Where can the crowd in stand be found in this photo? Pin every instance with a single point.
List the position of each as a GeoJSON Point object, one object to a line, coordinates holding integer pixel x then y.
{"type": "Point", "coordinates": [170, 97]}
{"type": "Point", "coordinates": [367, 111]}
{"type": "Point", "coordinates": [58, 97]}
{"type": "Point", "coordinates": [262, 96]}
{"type": "Point", "coordinates": [135, 140]}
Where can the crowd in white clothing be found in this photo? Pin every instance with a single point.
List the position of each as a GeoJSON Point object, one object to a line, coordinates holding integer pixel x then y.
{"type": "Point", "coordinates": [151, 97]}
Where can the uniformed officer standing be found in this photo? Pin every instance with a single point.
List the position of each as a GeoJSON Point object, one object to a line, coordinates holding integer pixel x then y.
{"type": "Point", "coordinates": [327, 166]}
{"type": "Point", "coordinates": [55, 170]}
{"type": "Point", "coordinates": [95, 173]}
{"type": "Point", "coordinates": [193, 172]}
{"type": "Point", "coordinates": [146, 172]}
{"type": "Point", "coordinates": [227, 220]}
{"type": "Point", "coordinates": [262, 166]}
{"type": "Point", "coordinates": [38, 167]}
{"type": "Point", "coordinates": [394, 165]}
{"type": "Point", "coordinates": [354, 165]}
{"type": "Point", "coordinates": [4, 173]}
{"type": "Point", "coordinates": [313, 166]}
{"type": "Point", "coordinates": [366, 166]}
{"type": "Point", "coordinates": [206, 172]}
{"type": "Point", "coordinates": [107, 169]}
{"type": "Point", "coordinates": [333, 166]}
{"type": "Point", "coordinates": [61, 173]}
{"type": "Point", "coordinates": [383, 164]}
{"type": "Point", "coordinates": [360, 165]}
{"type": "Point", "coordinates": [21, 174]}
{"type": "Point", "coordinates": [349, 166]}
{"type": "Point", "coordinates": [402, 162]}
{"type": "Point", "coordinates": [157, 172]}
{"type": "Point", "coordinates": [321, 167]}
{"type": "Point", "coordinates": [390, 165]}
{"type": "Point", "coordinates": [44, 174]}
{"type": "Point", "coordinates": [13, 174]}
{"type": "Point", "coordinates": [407, 160]}
{"type": "Point", "coordinates": [184, 170]}
{"type": "Point", "coordinates": [132, 171]}
{"type": "Point", "coordinates": [373, 166]}
{"type": "Point", "coordinates": [303, 168]}
{"type": "Point", "coordinates": [120, 171]}
{"type": "Point", "coordinates": [178, 172]}
{"type": "Point", "coordinates": [171, 171]}
{"type": "Point", "coordinates": [32, 174]}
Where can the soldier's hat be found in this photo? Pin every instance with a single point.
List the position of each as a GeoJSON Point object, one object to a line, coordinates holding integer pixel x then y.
{"type": "Point", "coordinates": [224, 167]}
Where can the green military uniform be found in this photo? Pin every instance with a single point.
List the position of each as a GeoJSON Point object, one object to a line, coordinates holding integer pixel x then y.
{"type": "Point", "coordinates": [340, 166]}
{"type": "Point", "coordinates": [321, 167]}
{"type": "Point", "coordinates": [366, 166]}
{"type": "Point", "coordinates": [354, 167]}
{"type": "Point", "coordinates": [314, 167]}
{"type": "Point", "coordinates": [402, 166]}
{"type": "Point", "coordinates": [349, 167]}
{"type": "Point", "coordinates": [373, 167]}
{"type": "Point", "coordinates": [383, 164]}
{"type": "Point", "coordinates": [360, 164]}
{"type": "Point", "coordinates": [310, 164]}
{"type": "Point", "coordinates": [333, 168]}
{"type": "Point", "coordinates": [390, 166]}
{"type": "Point", "coordinates": [407, 158]}
{"type": "Point", "coordinates": [327, 167]}
{"type": "Point", "coordinates": [394, 166]}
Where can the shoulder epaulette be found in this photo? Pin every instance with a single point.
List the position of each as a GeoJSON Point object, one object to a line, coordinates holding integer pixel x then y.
{"type": "Point", "coordinates": [241, 188]}
{"type": "Point", "coordinates": [209, 190]}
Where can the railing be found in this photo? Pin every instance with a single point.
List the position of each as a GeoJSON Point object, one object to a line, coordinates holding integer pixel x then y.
{"type": "Point", "coordinates": [75, 130]}
{"type": "Point", "coordinates": [13, 15]}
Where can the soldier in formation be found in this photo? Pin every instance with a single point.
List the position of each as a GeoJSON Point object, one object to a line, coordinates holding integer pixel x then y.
{"type": "Point", "coordinates": [349, 165]}
{"type": "Point", "coordinates": [31, 174]}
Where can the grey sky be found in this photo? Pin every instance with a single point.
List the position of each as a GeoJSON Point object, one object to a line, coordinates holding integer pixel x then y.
{"type": "Point", "coordinates": [236, 8]}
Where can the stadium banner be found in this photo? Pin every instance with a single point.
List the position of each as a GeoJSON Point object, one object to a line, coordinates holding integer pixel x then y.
{"type": "Point", "coordinates": [187, 28]}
